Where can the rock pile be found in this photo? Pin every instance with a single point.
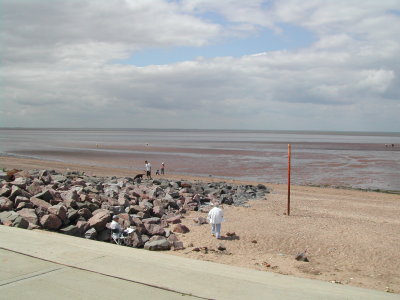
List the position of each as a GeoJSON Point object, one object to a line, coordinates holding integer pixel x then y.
{"type": "Point", "coordinates": [80, 205]}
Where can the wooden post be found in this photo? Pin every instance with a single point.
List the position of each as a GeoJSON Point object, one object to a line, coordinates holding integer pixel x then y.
{"type": "Point", "coordinates": [288, 198]}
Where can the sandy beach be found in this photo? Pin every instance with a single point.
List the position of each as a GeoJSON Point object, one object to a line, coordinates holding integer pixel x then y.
{"type": "Point", "coordinates": [349, 236]}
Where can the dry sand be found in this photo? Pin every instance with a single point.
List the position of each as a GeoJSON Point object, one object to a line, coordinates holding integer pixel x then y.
{"type": "Point", "coordinates": [351, 237]}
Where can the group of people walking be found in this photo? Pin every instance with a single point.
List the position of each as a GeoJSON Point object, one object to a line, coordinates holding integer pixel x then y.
{"type": "Point", "coordinates": [147, 168]}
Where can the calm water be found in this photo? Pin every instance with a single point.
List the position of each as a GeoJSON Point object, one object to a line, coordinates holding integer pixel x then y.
{"type": "Point", "coordinates": [363, 160]}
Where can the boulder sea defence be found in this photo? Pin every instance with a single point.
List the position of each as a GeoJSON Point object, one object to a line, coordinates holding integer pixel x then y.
{"type": "Point", "coordinates": [80, 205]}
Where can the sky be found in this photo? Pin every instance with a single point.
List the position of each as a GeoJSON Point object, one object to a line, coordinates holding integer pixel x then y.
{"type": "Point", "coordinates": [202, 64]}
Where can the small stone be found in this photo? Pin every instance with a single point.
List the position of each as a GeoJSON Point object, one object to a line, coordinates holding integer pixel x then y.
{"type": "Point", "coordinates": [221, 247]}
{"type": "Point", "coordinates": [302, 257]}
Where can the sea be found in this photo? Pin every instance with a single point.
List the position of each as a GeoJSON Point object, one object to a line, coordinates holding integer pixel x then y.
{"type": "Point", "coordinates": [363, 160]}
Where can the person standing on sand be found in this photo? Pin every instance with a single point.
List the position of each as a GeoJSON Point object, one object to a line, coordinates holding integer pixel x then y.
{"type": "Point", "coordinates": [215, 218]}
{"type": "Point", "coordinates": [162, 168]}
{"type": "Point", "coordinates": [147, 167]}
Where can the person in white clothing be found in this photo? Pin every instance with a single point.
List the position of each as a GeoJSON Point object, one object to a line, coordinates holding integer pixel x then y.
{"type": "Point", "coordinates": [116, 229]}
{"type": "Point", "coordinates": [215, 218]}
{"type": "Point", "coordinates": [147, 167]}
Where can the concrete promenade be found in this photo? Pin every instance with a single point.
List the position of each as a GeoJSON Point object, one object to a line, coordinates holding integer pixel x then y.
{"type": "Point", "coordinates": [46, 265]}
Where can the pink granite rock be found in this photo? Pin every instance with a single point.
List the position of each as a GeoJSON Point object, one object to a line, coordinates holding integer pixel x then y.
{"type": "Point", "coordinates": [40, 203]}
{"type": "Point", "coordinates": [6, 204]}
{"type": "Point", "coordinates": [99, 220]}
{"type": "Point", "coordinates": [29, 214]}
{"type": "Point", "coordinates": [51, 222]}
{"type": "Point", "coordinates": [180, 228]}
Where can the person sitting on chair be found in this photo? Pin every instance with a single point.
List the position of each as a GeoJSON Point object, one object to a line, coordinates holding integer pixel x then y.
{"type": "Point", "coordinates": [116, 229]}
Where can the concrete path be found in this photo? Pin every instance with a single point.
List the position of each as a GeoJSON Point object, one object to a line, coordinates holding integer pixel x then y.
{"type": "Point", "coordinates": [46, 265]}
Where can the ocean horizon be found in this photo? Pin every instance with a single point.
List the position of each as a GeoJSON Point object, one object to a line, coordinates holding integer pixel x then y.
{"type": "Point", "coordinates": [366, 160]}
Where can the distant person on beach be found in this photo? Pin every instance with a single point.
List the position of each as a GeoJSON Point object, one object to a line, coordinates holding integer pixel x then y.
{"type": "Point", "coordinates": [147, 167]}
{"type": "Point", "coordinates": [215, 218]}
{"type": "Point", "coordinates": [162, 168]}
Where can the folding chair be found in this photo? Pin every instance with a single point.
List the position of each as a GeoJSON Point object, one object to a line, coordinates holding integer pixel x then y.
{"type": "Point", "coordinates": [118, 237]}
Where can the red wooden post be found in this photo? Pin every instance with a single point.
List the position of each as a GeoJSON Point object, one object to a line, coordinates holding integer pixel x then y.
{"type": "Point", "coordinates": [288, 197]}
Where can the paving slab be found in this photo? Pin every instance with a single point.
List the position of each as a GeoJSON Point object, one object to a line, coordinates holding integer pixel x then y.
{"type": "Point", "coordinates": [36, 262]}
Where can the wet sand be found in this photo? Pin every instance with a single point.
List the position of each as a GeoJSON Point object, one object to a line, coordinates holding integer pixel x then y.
{"type": "Point", "coordinates": [350, 237]}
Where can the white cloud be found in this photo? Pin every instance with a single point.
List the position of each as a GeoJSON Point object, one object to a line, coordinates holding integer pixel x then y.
{"type": "Point", "coordinates": [59, 65]}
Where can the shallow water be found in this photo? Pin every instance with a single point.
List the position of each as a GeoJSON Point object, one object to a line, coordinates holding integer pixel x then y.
{"type": "Point", "coordinates": [360, 160]}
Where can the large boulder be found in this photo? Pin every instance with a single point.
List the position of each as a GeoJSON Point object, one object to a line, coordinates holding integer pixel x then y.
{"type": "Point", "coordinates": [16, 191]}
{"type": "Point", "coordinates": [99, 220]}
{"type": "Point", "coordinates": [157, 245]}
{"type": "Point", "coordinates": [154, 229]}
{"type": "Point", "coordinates": [13, 219]}
{"type": "Point", "coordinates": [46, 195]}
{"type": "Point", "coordinates": [51, 222]}
{"type": "Point", "coordinates": [29, 214]}
{"type": "Point", "coordinates": [70, 230]}
{"type": "Point", "coordinates": [40, 203]}
{"type": "Point", "coordinates": [60, 211]}
{"type": "Point", "coordinates": [6, 204]}
{"type": "Point", "coordinates": [5, 191]}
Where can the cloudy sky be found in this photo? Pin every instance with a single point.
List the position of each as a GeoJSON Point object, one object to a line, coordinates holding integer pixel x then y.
{"type": "Point", "coordinates": [229, 64]}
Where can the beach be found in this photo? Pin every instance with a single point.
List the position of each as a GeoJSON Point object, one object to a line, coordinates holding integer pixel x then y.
{"type": "Point", "coordinates": [349, 236]}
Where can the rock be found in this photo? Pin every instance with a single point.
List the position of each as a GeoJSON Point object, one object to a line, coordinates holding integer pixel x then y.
{"type": "Point", "coordinates": [46, 195]}
{"type": "Point", "coordinates": [157, 245]}
{"type": "Point", "coordinates": [70, 230]}
{"type": "Point", "coordinates": [180, 228]}
{"type": "Point", "coordinates": [85, 213]}
{"type": "Point", "coordinates": [83, 226]}
{"type": "Point", "coordinates": [302, 257]}
{"type": "Point", "coordinates": [178, 245]}
{"type": "Point", "coordinates": [58, 178]}
{"type": "Point", "coordinates": [16, 191]}
{"type": "Point", "coordinates": [221, 247]}
{"type": "Point", "coordinates": [35, 187]}
{"type": "Point", "coordinates": [40, 203]}
{"type": "Point", "coordinates": [154, 229]}
{"type": "Point", "coordinates": [11, 218]}
{"type": "Point", "coordinates": [230, 234]}
{"type": "Point", "coordinates": [51, 222]}
{"type": "Point", "coordinates": [104, 236]}
{"type": "Point", "coordinates": [200, 220]}
{"type": "Point", "coordinates": [72, 214]}
{"type": "Point", "coordinates": [153, 220]}
{"type": "Point", "coordinates": [99, 220]}
{"type": "Point", "coordinates": [6, 204]}
{"type": "Point", "coordinates": [91, 234]}
{"type": "Point", "coordinates": [60, 211]}
{"type": "Point", "coordinates": [174, 220]}
{"type": "Point", "coordinates": [136, 240]}
{"type": "Point", "coordinates": [158, 211]}
{"type": "Point", "coordinates": [20, 199]}
{"type": "Point", "coordinates": [29, 214]}
{"type": "Point", "coordinates": [5, 191]}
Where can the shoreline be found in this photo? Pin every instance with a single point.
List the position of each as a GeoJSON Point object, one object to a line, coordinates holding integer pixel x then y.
{"type": "Point", "coordinates": [10, 161]}
{"type": "Point", "coordinates": [350, 236]}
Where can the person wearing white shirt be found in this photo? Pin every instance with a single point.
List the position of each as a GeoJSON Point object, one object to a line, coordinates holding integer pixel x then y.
{"type": "Point", "coordinates": [147, 168]}
{"type": "Point", "coordinates": [116, 229]}
{"type": "Point", "coordinates": [215, 218]}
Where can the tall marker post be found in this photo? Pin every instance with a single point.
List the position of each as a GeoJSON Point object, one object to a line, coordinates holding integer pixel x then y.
{"type": "Point", "coordinates": [288, 197]}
